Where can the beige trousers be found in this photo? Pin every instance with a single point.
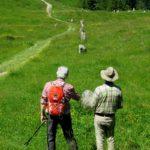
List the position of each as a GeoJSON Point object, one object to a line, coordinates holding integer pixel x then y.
{"type": "Point", "coordinates": [104, 127]}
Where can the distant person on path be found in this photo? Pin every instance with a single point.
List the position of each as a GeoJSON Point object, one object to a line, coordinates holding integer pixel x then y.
{"type": "Point", "coordinates": [55, 100]}
{"type": "Point", "coordinates": [106, 99]}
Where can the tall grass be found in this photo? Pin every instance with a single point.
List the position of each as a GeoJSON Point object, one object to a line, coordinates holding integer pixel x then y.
{"type": "Point", "coordinates": [118, 40]}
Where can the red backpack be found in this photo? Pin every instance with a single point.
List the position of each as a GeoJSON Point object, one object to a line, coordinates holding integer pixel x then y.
{"type": "Point", "coordinates": [56, 103]}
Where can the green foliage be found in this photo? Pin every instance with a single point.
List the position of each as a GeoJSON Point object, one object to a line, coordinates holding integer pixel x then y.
{"type": "Point", "coordinates": [115, 4]}
{"type": "Point", "coordinates": [84, 3]}
{"type": "Point", "coordinates": [143, 4]}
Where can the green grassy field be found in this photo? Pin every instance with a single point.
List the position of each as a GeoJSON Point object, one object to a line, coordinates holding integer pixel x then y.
{"type": "Point", "coordinates": [120, 40]}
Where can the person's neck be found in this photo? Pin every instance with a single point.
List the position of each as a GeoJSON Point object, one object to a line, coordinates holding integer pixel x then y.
{"type": "Point", "coordinates": [61, 79]}
{"type": "Point", "coordinates": [109, 83]}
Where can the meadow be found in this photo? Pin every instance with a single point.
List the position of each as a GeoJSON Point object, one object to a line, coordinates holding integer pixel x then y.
{"type": "Point", "coordinates": [121, 40]}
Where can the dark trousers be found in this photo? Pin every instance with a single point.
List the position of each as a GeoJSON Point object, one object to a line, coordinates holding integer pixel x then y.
{"type": "Point", "coordinates": [66, 125]}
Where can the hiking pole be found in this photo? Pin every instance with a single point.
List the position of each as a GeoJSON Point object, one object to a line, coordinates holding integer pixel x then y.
{"type": "Point", "coordinates": [27, 143]}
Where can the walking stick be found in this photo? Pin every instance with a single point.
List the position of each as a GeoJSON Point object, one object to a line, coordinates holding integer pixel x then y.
{"type": "Point", "coordinates": [27, 143]}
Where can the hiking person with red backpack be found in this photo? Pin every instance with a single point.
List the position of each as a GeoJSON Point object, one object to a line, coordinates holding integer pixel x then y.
{"type": "Point", "coordinates": [55, 101]}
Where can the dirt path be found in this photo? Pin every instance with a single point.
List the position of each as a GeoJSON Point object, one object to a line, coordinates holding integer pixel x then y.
{"type": "Point", "coordinates": [23, 57]}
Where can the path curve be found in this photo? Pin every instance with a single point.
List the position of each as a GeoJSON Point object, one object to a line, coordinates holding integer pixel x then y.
{"type": "Point", "coordinates": [23, 57]}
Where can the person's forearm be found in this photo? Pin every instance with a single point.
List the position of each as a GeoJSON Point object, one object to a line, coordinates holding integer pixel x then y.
{"type": "Point", "coordinates": [43, 113]}
{"type": "Point", "coordinates": [43, 110]}
{"type": "Point", "coordinates": [76, 97]}
{"type": "Point", "coordinates": [43, 105]}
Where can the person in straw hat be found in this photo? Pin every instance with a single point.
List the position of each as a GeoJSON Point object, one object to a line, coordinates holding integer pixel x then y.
{"type": "Point", "coordinates": [105, 100]}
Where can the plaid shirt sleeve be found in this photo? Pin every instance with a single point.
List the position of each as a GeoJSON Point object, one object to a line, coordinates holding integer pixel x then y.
{"type": "Point", "coordinates": [95, 97]}
{"type": "Point", "coordinates": [70, 92]}
{"type": "Point", "coordinates": [74, 95]}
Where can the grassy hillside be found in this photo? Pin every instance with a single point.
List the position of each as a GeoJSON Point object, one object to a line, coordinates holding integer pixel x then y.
{"type": "Point", "coordinates": [119, 40]}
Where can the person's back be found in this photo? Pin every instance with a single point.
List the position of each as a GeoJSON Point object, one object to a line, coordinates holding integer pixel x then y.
{"type": "Point", "coordinates": [68, 91]}
{"type": "Point", "coordinates": [58, 109]}
{"type": "Point", "coordinates": [106, 99]}
{"type": "Point", "coordinates": [109, 98]}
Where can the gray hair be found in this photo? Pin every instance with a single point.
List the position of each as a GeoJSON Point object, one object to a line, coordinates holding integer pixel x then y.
{"type": "Point", "coordinates": [62, 72]}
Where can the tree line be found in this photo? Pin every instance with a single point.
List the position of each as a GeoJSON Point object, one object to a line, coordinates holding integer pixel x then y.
{"type": "Point", "coordinates": [115, 4]}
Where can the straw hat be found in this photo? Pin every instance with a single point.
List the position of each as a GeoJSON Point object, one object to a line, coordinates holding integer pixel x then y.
{"type": "Point", "coordinates": [110, 74]}
{"type": "Point", "coordinates": [62, 72]}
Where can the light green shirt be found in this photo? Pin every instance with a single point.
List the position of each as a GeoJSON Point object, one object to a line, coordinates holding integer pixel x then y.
{"type": "Point", "coordinates": [107, 99]}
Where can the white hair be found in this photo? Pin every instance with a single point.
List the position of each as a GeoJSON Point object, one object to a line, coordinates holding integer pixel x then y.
{"type": "Point", "coordinates": [62, 72]}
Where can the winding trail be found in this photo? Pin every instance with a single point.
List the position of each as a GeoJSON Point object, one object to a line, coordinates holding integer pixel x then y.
{"type": "Point", "coordinates": [25, 56]}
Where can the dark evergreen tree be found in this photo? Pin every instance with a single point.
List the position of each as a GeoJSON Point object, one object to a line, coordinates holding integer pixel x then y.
{"type": "Point", "coordinates": [147, 4]}
{"type": "Point", "coordinates": [132, 3]}
{"type": "Point", "coordinates": [115, 4]}
{"type": "Point", "coordinates": [140, 4]}
{"type": "Point", "coordinates": [84, 3]}
{"type": "Point", "coordinates": [92, 4]}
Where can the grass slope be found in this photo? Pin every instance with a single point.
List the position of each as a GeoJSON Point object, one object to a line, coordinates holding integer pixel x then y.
{"type": "Point", "coordinates": [120, 40]}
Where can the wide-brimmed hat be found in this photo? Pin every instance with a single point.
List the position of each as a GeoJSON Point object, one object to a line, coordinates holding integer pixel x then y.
{"type": "Point", "coordinates": [62, 72]}
{"type": "Point", "coordinates": [110, 74]}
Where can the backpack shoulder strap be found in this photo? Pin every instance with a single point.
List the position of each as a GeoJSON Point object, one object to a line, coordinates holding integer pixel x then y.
{"type": "Point", "coordinates": [63, 85]}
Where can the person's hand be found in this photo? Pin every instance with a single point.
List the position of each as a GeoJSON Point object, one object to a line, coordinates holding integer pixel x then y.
{"type": "Point", "coordinates": [43, 118]}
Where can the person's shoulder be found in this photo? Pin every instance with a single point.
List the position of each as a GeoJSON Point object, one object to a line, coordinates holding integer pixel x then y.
{"type": "Point", "coordinates": [99, 88]}
{"type": "Point", "coordinates": [48, 83]}
{"type": "Point", "coordinates": [69, 86]}
{"type": "Point", "coordinates": [118, 89]}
